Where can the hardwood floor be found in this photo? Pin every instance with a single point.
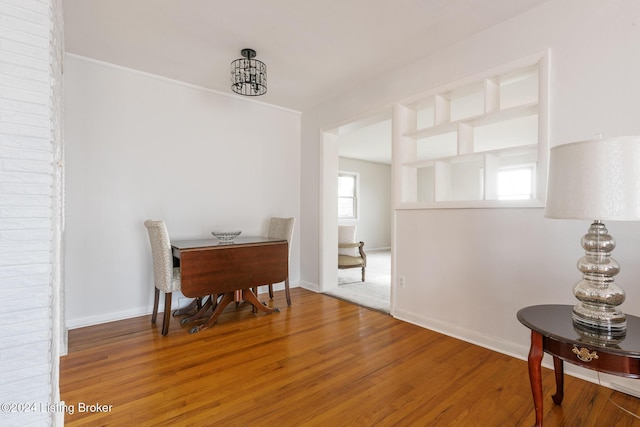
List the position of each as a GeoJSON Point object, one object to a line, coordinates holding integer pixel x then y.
{"type": "Point", "coordinates": [321, 362]}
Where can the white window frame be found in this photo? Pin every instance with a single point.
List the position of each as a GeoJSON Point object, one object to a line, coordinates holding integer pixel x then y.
{"type": "Point", "coordinates": [522, 166]}
{"type": "Point", "coordinates": [356, 196]}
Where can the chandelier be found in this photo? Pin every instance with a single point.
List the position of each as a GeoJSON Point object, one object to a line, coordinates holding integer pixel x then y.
{"type": "Point", "coordinates": [248, 75]}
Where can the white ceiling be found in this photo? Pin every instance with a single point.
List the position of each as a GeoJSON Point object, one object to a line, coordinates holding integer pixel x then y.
{"type": "Point", "coordinates": [371, 142]}
{"type": "Point", "coordinates": [314, 49]}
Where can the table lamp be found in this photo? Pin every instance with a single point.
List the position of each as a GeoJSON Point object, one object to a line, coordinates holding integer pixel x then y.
{"type": "Point", "coordinates": [596, 180]}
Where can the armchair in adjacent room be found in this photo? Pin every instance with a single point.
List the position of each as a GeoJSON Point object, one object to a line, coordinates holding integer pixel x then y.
{"type": "Point", "coordinates": [351, 254]}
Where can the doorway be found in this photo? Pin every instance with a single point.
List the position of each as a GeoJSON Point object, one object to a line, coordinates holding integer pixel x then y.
{"type": "Point", "coordinates": [362, 148]}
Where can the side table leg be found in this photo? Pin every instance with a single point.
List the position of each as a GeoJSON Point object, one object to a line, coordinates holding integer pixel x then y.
{"type": "Point", "coordinates": [535, 374]}
{"type": "Point", "coordinates": [558, 367]}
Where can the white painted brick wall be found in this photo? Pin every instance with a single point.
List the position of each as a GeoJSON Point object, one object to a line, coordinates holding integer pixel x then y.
{"type": "Point", "coordinates": [30, 206]}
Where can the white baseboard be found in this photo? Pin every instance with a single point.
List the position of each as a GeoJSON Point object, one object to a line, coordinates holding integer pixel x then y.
{"type": "Point", "coordinates": [454, 331]}
{"type": "Point", "coordinates": [310, 286]}
{"type": "Point", "coordinates": [82, 322]}
{"type": "Point", "coordinates": [386, 248]}
{"type": "Point", "coordinates": [177, 302]}
{"type": "Point", "coordinates": [624, 385]}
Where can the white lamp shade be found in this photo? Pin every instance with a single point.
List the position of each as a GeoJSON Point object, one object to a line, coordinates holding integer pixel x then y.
{"type": "Point", "coordinates": [597, 179]}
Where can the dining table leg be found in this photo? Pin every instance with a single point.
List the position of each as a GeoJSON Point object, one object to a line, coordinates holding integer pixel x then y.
{"type": "Point", "coordinates": [195, 303]}
{"type": "Point", "coordinates": [211, 302]}
{"type": "Point", "coordinates": [227, 298]}
{"type": "Point", "coordinates": [249, 296]}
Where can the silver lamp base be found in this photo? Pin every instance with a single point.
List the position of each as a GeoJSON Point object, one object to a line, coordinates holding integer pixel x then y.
{"type": "Point", "coordinates": [601, 320]}
{"type": "Point", "coordinates": [591, 335]}
{"type": "Point", "coordinates": [599, 296]}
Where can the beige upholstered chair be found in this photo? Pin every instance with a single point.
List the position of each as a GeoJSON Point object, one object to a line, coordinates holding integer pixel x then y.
{"type": "Point", "coordinates": [282, 228]}
{"type": "Point", "coordinates": [350, 253]}
{"type": "Point", "coordinates": [165, 276]}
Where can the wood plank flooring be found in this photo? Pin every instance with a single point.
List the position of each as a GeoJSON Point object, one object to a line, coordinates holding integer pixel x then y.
{"type": "Point", "coordinates": [321, 362]}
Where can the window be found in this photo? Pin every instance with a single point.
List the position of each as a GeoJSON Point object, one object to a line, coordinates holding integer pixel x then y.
{"type": "Point", "coordinates": [516, 183]}
{"type": "Point", "coordinates": [347, 195]}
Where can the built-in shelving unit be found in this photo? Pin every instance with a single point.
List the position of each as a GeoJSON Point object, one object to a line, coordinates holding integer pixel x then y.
{"type": "Point", "coordinates": [450, 145]}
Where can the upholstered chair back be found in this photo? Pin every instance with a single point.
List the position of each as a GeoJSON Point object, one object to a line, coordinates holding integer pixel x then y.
{"type": "Point", "coordinates": [166, 278]}
{"type": "Point", "coordinates": [282, 228]}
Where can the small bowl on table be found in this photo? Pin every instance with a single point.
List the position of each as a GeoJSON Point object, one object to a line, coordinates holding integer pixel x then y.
{"type": "Point", "coordinates": [226, 236]}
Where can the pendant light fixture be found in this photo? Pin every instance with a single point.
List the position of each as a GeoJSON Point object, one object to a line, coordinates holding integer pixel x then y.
{"type": "Point", "coordinates": [248, 75]}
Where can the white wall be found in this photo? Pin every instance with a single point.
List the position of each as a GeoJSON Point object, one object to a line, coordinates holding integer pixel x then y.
{"type": "Point", "coordinates": [469, 271]}
{"type": "Point", "coordinates": [374, 222]}
{"type": "Point", "coordinates": [138, 147]}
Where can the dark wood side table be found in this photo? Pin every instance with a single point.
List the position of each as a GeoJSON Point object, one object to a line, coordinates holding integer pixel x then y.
{"type": "Point", "coordinates": [553, 332]}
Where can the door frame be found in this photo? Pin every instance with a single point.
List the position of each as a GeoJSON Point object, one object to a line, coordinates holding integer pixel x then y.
{"type": "Point", "coordinates": [328, 206]}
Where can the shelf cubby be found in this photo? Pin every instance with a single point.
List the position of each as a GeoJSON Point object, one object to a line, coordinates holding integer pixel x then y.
{"type": "Point", "coordinates": [453, 143]}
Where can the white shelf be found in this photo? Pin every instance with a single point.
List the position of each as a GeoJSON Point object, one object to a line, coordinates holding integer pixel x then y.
{"type": "Point", "coordinates": [501, 152]}
{"type": "Point", "coordinates": [475, 121]}
{"type": "Point", "coordinates": [456, 163]}
{"type": "Point", "coordinates": [472, 204]}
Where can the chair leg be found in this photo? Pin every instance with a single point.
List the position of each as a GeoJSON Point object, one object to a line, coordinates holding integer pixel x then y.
{"type": "Point", "coordinates": [270, 291]}
{"type": "Point", "coordinates": [255, 291]}
{"type": "Point", "coordinates": [286, 290]}
{"type": "Point", "coordinates": [363, 274]}
{"type": "Point", "coordinates": [167, 313]}
{"type": "Point", "coordinates": [155, 305]}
